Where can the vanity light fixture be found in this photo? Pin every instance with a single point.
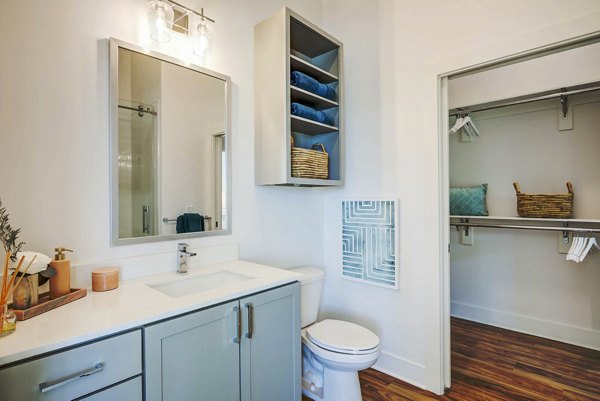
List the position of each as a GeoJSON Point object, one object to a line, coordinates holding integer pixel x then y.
{"type": "Point", "coordinates": [166, 17]}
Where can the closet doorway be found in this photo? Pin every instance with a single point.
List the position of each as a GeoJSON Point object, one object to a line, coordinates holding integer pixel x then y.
{"type": "Point", "coordinates": [527, 120]}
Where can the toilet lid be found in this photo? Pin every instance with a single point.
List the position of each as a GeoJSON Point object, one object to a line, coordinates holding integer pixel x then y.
{"type": "Point", "coordinates": [343, 337]}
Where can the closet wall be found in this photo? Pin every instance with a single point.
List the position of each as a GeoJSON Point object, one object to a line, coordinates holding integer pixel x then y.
{"type": "Point", "coordinates": [518, 279]}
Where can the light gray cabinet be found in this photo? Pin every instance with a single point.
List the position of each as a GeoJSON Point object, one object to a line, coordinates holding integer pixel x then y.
{"type": "Point", "coordinates": [194, 357]}
{"type": "Point", "coordinates": [130, 390]}
{"type": "Point", "coordinates": [270, 347]}
{"type": "Point", "coordinates": [87, 370]}
{"type": "Point", "coordinates": [247, 349]}
{"type": "Point", "coordinates": [286, 43]}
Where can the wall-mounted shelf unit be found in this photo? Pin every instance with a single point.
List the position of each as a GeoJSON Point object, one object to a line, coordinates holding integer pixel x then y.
{"type": "Point", "coordinates": [308, 49]}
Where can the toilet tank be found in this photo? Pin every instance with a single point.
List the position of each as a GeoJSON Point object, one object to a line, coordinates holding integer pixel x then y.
{"type": "Point", "coordinates": [311, 284]}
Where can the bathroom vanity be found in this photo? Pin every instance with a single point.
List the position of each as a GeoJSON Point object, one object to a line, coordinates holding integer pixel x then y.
{"type": "Point", "coordinates": [229, 332]}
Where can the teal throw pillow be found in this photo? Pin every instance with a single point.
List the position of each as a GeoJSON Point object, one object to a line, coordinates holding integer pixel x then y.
{"type": "Point", "coordinates": [469, 201]}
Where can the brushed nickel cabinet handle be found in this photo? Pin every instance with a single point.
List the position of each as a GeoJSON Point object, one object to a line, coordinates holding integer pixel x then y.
{"type": "Point", "coordinates": [250, 320]}
{"type": "Point", "coordinates": [238, 324]}
{"type": "Point", "coordinates": [51, 385]}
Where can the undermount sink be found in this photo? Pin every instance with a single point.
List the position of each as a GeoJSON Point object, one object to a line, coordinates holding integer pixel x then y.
{"type": "Point", "coordinates": [181, 287]}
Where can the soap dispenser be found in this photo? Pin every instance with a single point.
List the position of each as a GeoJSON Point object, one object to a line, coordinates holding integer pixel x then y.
{"type": "Point", "coordinates": [60, 283]}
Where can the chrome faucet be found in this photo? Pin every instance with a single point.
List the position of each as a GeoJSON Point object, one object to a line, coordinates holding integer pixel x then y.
{"type": "Point", "coordinates": [182, 257]}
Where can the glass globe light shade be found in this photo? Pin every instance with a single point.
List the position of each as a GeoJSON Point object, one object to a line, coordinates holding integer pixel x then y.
{"type": "Point", "coordinates": [160, 20]}
{"type": "Point", "coordinates": [202, 38]}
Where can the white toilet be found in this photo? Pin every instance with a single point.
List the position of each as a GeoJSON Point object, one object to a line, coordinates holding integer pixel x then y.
{"type": "Point", "coordinates": [333, 351]}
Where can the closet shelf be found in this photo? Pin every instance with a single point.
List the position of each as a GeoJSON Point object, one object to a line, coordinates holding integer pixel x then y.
{"type": "Point", "coordinates": [297, 64]}
{"type": "Point", "coordinates": [310, 127]}
{"type": "Point", "coordinates": [535, 97]}
{"type": "Point", "coordinates": [520, 223]}
{"type": "Point", "coordinates": [527, 219]}
{"type": "Point", "coordinates": [316, 101]}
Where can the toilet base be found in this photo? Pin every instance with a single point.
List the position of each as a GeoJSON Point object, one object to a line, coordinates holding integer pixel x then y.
{"type": "Point", "coordinates": [340, 385]}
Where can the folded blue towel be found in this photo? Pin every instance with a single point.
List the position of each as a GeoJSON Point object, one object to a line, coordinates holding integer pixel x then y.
{"type": "Point", "coordinates": [190, 223]}
{"type": "Point", "coordinates": [310, 84]}
{"type": "Point", "coordinates": [301, 110]}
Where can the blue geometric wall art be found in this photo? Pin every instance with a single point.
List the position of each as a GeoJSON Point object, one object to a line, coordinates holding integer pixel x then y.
{"type": "Point", "coordinates": [369, 241]}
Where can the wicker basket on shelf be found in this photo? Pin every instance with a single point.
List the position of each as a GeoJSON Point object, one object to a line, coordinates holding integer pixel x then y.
{"type": "Point", "coordinates": [552, 206]}
{"type": "Point", "coordinates": [310, 163]}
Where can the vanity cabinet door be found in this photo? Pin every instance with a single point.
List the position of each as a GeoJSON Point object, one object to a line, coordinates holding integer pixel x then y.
{"type": "Point", "coordinates": [194, 357]}
{"type": "Point", "coordinates": [270, 347]}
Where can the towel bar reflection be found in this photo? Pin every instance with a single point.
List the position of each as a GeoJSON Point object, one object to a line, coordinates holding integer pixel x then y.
{"type": "Point", "coordinates": [168, 220]}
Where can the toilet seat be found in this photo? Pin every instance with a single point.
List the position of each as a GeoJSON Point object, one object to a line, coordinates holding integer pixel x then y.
{"type": "Point", "coordinates": [343, 361]}
{"type": "Point", "coordinates": [342, 337]}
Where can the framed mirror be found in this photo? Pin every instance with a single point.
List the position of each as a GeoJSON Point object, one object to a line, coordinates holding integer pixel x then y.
{"type": "Point", "coordinates": [170, 147]}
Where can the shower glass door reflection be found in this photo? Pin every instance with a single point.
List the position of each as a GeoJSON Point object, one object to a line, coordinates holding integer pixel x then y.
{"type": "Point", "coordinates": [137, 170]}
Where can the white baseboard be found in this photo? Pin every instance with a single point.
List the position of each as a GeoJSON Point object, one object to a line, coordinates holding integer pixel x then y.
{"type": "Point", "coordinates": [582, 336]}
{"type": "Point", "coordinates": [401, 368]}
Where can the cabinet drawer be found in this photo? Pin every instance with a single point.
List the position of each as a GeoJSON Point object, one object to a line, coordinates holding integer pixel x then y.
{"type": "Point", "coordinates": [131, 390]}
{"type": "Point", "coordinates": [73, 373]}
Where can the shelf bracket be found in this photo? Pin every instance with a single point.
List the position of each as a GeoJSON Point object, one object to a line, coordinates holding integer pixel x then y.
{"type": "Point", "coordinates": [466, 237]}
{"type": "Point", "coordinates": [565, 234]}
{"type": "Point", "coordinates": [564, 101]}
{"type": "Point", "coordinates": [565, 114]}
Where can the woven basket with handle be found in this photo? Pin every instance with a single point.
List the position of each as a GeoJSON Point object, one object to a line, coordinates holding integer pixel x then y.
{"type": "Point", "coordinates": [310, 163]}
{"type": "Point", "coordinates": [551, 206]}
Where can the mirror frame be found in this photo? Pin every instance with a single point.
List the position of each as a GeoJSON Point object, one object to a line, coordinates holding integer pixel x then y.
{"type": "Point", "coordinates": [114, 46]}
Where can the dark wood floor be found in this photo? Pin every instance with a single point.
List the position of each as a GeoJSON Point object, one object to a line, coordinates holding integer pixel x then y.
{"type": "Point", "coordinates": [489, 363]}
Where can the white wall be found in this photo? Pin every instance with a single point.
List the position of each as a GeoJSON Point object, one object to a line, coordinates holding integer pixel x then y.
{"type": "Point", "coordinates": [548, 73]}
{"type": "Point", "coordinates": [394, 51]}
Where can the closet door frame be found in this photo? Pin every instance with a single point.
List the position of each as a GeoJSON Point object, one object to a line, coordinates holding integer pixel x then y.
{"type": "Point", "coordinates": [444, 174]}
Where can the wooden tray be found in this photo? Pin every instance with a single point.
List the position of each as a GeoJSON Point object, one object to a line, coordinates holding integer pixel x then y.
{"type": "Point", "coordinates": [46, 304]}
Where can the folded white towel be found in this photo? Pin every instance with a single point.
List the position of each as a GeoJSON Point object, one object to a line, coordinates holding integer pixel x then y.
{"type": "Point", "coordinates": [39, 264]}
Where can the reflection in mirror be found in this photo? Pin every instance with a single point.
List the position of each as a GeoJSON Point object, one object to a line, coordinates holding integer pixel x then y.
{"type": "Point", "coordinates": [169, 148]}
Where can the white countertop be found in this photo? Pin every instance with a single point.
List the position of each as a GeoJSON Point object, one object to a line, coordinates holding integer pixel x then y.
{"type": "Point", "coordinates": [131, 305]}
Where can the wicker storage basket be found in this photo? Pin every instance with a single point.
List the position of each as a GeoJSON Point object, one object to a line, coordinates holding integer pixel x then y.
{"type": "Point", "coordinates": [554, 206]}
{"type": "Point", "coordinates": [310, 163]}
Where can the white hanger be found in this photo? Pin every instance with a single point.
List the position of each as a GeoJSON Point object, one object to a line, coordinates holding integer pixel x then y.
{"type": "Point", "coordinates": [457, 125]}
{"type": "Point", "coordinates": [575, 248]}
{"type": "Point", "coordinates": [469, 129]}
{"type": "Point", "coordinates": [471, 124]}
{"type": "Point", "coordinates": [590, 243]}
{"type": "Point", "coordinates": [580, 248]}
{"type": "Point", "coordinates": [572, 248]}
{"type": "Point", "coordinates": [467, 123]}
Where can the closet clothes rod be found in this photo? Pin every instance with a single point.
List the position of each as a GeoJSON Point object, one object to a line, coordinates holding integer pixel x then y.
{"type": "Point", "coordinates": [527, 99]}
{"type": "Point", "coordinates": [537, 228]}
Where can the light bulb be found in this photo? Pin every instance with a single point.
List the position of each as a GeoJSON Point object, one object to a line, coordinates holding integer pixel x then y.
{"type": "Point", "coordinates": [160, 19]}
{"type": "Point", "coordinates": [202, 40]}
